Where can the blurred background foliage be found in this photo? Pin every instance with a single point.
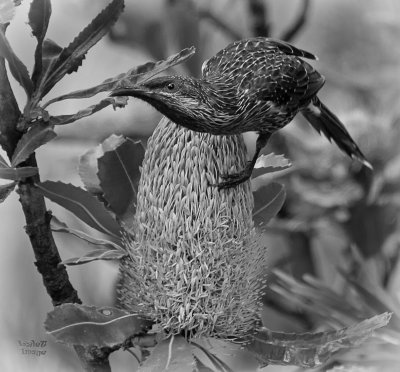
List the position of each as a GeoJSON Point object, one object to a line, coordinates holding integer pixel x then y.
{"type": "Point", "coordinates": [334, 248]}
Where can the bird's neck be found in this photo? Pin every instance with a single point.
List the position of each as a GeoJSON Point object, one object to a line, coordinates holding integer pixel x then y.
{"type": "Point", "coordinates": [221, 94]}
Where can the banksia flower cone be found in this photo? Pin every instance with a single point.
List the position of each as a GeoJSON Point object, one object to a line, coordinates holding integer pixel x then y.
{"type": "Point", "coordinates": [195, 263]}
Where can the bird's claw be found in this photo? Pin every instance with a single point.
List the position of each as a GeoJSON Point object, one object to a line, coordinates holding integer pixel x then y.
{"type": "Point", "coordinates": [232, 180]}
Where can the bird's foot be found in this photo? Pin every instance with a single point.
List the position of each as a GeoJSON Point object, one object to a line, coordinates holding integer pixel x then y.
{"type": "Point", "coordinates": [232, 180]}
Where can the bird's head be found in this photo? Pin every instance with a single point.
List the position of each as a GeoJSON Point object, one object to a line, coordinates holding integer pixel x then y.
{"type": "Point", "coordinates": [186, 101]}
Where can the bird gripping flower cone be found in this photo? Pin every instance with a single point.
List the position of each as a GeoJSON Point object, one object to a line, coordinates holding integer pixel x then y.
{"type": "Point", "coordinates": [195, 261]}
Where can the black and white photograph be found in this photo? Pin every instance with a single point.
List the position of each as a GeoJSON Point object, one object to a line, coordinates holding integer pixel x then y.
{"type": "Point", "coordinates": [200, 185]}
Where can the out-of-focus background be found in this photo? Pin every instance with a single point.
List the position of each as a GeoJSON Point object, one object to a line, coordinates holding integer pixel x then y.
{"type": "Point", "coordinates": [337, 217]}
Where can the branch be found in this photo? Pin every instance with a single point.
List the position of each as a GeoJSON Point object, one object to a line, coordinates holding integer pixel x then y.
{"type": "Point", "coordinates": [55, 277]}
{"type": "Point", "coordinates": [298, 24]}
{"type": "Point", "coordinates": [260, 25]}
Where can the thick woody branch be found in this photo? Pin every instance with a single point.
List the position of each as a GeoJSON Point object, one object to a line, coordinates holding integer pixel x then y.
{"type": "Point", "coordinates": [55, 277]}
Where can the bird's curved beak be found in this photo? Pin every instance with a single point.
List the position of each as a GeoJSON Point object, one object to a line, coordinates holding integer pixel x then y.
{"type": "Point", "coordinates": [138, 91]}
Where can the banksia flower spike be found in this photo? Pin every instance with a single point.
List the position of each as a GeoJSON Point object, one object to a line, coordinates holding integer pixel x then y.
{"type": "Point", "coordinates": [195, 263]}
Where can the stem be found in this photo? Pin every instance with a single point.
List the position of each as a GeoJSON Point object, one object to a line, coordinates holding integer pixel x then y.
{"type": "Point", "coordinates": [55, 276]}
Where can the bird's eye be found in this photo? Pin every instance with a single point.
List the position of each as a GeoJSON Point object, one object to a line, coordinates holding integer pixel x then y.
{"type": "Point", "coordinates": [171, 86]}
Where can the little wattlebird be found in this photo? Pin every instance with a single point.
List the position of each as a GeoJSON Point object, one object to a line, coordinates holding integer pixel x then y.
{"type": "Point", "coordinates": [258, 84]}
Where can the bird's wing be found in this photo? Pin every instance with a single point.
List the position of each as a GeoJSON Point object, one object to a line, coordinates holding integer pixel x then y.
{"type": "Point", "coordinates": [241, 51]}
{"type": "Point", "coordinates": [290, 82]}
{"type": "Point", "coordinates": [287, 48]}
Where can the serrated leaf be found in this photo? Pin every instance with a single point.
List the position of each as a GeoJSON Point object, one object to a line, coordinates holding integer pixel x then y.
{"type": "Point", "coordinates": [270, 163]}
{"type": "Point", "coordinates": [58, 226]}
{"type": "Point", "coordinates": [111, 143]}
{"type": "Point", "coordinates": [133, 76]}
{"type": "Point", "coordinates": [88, 169]}
{"type": "Point", "coordinates": [217, 354]}
{"type": "Point", "coordinates": [172, 355]}
{"type": "Point", "coordinates": [81, 203]}
{"type": "Point", "coordinates": [37, 135]}
{"type": "Point", "coordinates": [83, 325]}
{"type": "Point", "coordinates": [17, 68]}
{"type": "Point", "coordinates": [67, 119]}
{"type": "Point", "coordinates": [17, 174]}
{"type": "Point", "coordinates": [309, 350]}
{"type": "Point", "coordinates": [39, 16]}
{"type": "Point", "coordinates": [6, 190]}
{"type": "Point", "coordinates": [50, 53]}
{"type": "Point", "coordinates": [268, 200]}
{"type": "Point", "coordinates": [72, 56]}
{"type": "Point", "coordinates": [119, 174]}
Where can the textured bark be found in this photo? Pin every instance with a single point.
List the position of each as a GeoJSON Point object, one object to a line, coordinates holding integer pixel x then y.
{"type": "Point", "coordinates": [55, 277]}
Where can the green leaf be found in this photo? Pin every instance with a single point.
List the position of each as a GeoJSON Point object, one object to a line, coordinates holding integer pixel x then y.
{"type": "Point", "coordinates": [133, 76]}
{"type": "Point", "coordinates": [17, 174]}
{"type": "Point", "coordinates": [310, 350]}
{"type": "Point", "coordinates": [58, 226]}
{"type": "Point", "coordinates": [67, 119]}
{"type": "Point", "coordinates": [39, 16]}
{"type": "Point", "coordinates": [119, 174]}
{"type": "Point", "coordinates": [83, 325]}
{"type": "Point", "coordinates": [172, 355]}
{"type": "Point", "coordinates": [17, 68]}
{"type": "Point", "coordinates": [270, 163]}
{"type": "Point", "coordinates": [82, 204]}
{"type": "Point", "coordinates": [72, 56]}
{"type": "Point", "coordinates": [6, 190]}
{"type": "Point", "coordinates": [268, 200]}
{"type": "Point", "coordinates": [37, 135]}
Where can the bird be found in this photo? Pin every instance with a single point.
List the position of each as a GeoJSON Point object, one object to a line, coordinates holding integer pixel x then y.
{"type": "Point", "coordinates": [256, 84]}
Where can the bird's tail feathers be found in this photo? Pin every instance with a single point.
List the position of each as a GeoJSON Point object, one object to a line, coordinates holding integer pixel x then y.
{"type": "Point", "coordinates": [323, 120]}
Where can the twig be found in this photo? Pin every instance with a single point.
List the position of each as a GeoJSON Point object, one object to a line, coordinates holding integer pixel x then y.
{"type": "Point", "coordinates": [298, 24]}
{"type": "Point", "coordinates": [206, 14]}
{"type": "Point", "coordinates": [258, 18]}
